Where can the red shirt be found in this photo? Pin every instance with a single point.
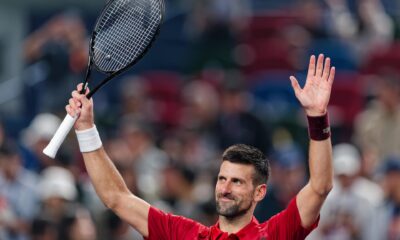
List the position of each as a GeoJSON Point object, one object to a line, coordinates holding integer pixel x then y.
{"type": "Point", "coordinates": [284, 225]}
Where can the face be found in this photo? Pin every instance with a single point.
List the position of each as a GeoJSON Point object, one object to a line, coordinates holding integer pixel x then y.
{"type": "Point", "coordinates": [11, 166]}
{"type": "Point", "coordinates": [235, 193]}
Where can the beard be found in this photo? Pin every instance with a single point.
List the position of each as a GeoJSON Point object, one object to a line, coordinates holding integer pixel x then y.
{"type": "Point", "coordinates": [232, 209]}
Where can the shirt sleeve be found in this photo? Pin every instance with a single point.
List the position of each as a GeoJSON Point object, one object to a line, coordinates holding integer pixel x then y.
{"type": "Point", "coordinates": [166, 226]}
{"type": "Point", "coordinates": [287, 224]}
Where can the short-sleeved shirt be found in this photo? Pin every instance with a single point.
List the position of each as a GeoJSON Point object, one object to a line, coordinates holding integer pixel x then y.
{"type": "Point", "coordinates": [284, 225]}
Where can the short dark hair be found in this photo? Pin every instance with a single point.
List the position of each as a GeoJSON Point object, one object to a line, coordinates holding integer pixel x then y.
{"type": "Point", "coordinates": [245, 154]}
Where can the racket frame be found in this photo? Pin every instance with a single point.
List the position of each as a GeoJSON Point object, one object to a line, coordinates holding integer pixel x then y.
{"type": "Point", "coordinates": [112, 74]}
{"type": "Point", "coordinates": [51, 149]}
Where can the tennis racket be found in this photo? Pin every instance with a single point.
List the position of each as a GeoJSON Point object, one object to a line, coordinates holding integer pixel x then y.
{"type": "Point", "coordinates": [123, 33]}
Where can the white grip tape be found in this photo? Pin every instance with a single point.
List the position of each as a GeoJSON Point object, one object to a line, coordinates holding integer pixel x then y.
{"type": "Point", "coordinates": [59, 136]}
{"type": "Point", "coordinates": [88, 139]}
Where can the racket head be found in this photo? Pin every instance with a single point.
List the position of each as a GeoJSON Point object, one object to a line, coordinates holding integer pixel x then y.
{"type": "Point", "coordinates": [124, 32]}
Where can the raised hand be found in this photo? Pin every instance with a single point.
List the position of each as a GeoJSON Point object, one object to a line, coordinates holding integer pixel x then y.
{"type": "Point", "coordinates": [81, 106]}
{"type": "Point", "coordinates": [315, 94]}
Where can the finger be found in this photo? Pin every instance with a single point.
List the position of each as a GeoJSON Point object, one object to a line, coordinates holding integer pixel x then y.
{"type": "Point", "coordinates": [73, 104]}
{"type": "Point", "coordinates": [311, 67]}
{"type": "Point", "coordinates": [77, 98]}
{"type": "Point", "coordinates": [75, 93]}
{"type": "Point", "coordinates": [87, 91]}
{"type": "Point", "coordinates": [82, 100]}
{"type": "Point", "coordinates": [295, 85]}
{"type": "Point", "coordinates": [79, 87]}
{"type": "Point", "coordinates": [86, 103]}
{"type": "Point", "coordinates": [69, 110]}
{"type": "Point", "coordinates": [327, 68]}
{"type": "Point", "coordinates": [331, 75]}
{"type": "Point", "coordinates": [320, 65]}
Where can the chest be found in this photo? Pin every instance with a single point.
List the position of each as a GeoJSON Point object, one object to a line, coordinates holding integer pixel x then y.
{"type": "Point", "coordinates": [210, 234]}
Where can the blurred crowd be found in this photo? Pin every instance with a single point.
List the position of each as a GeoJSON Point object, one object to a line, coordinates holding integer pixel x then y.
{"type": "Point", "coordinates": [226, 81]}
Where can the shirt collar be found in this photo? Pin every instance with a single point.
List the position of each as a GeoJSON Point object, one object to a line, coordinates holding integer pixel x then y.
{"type": "Point", "coordinates": [216, 231]}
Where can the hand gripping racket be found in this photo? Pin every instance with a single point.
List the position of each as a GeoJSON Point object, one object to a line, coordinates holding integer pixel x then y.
{"type": "Point", "coordinates": [123, 33]}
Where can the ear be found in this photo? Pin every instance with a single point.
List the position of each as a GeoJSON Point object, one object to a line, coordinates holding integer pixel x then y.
{"type": "Point", "coordinates": [260, 192]}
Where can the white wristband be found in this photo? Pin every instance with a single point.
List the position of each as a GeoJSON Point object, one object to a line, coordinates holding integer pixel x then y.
{"type": "Point", "coordinates": [88, 139]}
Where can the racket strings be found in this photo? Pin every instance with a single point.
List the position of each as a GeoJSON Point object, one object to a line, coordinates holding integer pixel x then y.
{"type": "Point", "coordinates": [133, 25]}
{"type": "Point", "coordinates": [125, 31]}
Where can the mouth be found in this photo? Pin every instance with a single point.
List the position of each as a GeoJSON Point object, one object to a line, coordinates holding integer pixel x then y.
{"type": "Point", "coordinates": [225, 199]}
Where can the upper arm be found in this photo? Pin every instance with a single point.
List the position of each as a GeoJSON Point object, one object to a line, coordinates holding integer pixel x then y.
{"type": "Point", "coordinates": [134, 211]}
{"type": "Point", "coordinates": [309, 204]}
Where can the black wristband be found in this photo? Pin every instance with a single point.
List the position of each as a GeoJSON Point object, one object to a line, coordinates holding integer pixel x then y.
{"type": "Point", "coordinates": [318, 127]}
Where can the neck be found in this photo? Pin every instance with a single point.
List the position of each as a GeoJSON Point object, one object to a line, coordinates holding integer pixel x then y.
{"type": "Point", "coordinates": [233, 225]}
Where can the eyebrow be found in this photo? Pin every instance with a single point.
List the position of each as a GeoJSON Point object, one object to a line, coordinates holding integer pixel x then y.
{"type": "Point", "coordinates": [233, 178]}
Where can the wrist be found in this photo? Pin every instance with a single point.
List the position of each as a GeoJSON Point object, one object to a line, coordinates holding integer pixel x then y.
{"type": "Point", "coordinates": [318, 127]}
{"type": "Point", "coordinates": [84, 126]}
{"type": "Point", "coordinates": [316, 113]}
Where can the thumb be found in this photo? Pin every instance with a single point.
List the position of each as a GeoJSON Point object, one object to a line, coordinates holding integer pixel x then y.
{"type": "Point", "coordinates": [295, 85]}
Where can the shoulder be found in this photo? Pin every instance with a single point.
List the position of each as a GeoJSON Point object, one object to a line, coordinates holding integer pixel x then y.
{"type": "Point", "coordinates": [172, 226]}
{"type": "Point", "coordinates": [287, 224]}
{"type": "Point", "coordinates": [155, 212]}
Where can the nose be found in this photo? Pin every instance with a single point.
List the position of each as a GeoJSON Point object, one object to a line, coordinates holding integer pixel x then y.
{"type": "Point", "coordinates": [226, 187]}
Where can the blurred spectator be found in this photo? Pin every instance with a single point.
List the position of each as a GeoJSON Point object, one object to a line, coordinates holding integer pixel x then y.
{"type": "Point", "coordinates": [389, 220]}
{"type": "Point", "coordinates": [43, 229]}
{"type": "Point", "coordinates": [178, 191]}
{"type": "Point", "coordinates": [118, 229]}
{"type": "Point", "coordinates": [197, 135]}
{"type": "Point", "coordinates": [201, 106]}
{"type": "Point", "coordinates": [145, 157]}
{"type": "Point", "coordinates": [312, 18]}
{"type": "Point", "coordinates": [77, 226]}
{"type": "Point", "coordinates": [35, 138]}
{"type": "Point", "coordinates": [366, 29]}
{"type": "Point", "coordinates": [288, 176]}
{"type": "Point", "coordinates": [58, 194]}
{"type": "Point", "coordinates": [134, 98]}
{"type": "Point", "coordinates": [214, 25]}
{"type": "Point", "coordinates": [18, 195]}
{"type": "Point", "coordinates": [349, 210]}
{"type": "Point", "coordinates": [58, 49]}
{"type": "Point", "coordinates": [209, 17]}
{"type": "Point", "coordinates": [377, 128]}
{"type": "Point", "coordinates": [236, 123]}
{"type": "Point", "coordinates": [57, 191]}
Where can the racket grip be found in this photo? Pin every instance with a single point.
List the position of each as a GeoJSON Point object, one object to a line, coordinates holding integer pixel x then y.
{"type": "Point", "coordinates": [59, 136]}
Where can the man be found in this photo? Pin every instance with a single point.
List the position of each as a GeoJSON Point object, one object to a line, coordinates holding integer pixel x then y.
{"type": "Point", "coordinates": [18, 196]}
{"type": "Point", "coordinates": [241, 180]}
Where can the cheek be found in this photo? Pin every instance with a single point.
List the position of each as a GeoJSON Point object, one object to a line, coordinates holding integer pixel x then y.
{"type": "Point", "coordinates": [217, 189]}
{"type": "Point", "coordinates": [243, 194]}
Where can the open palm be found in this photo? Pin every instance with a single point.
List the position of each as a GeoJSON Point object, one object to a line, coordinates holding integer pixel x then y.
{"type": "Point", "coordinates": [315, 94]}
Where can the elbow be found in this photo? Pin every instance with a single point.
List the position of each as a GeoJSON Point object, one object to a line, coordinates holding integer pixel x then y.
{"type": "Point", "coordinates": [326, 190]}
{"type": "Point", "coordinates": [322, 189]}
{"type": "Point", "coordinates": [112, 200]}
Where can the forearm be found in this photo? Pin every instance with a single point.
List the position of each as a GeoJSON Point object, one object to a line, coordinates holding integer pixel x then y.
{"type": "Point", "coordinates": [313, 195]}
{"type": "Point", "coordinates": [106, 179]}
{"type": "Point", "coordinates": [320, 164]}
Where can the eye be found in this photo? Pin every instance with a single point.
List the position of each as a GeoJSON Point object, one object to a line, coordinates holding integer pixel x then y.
{"type": "Point", "coordinates": [237, 181]}
{"type": "Point", "coordinates": [221, 179]}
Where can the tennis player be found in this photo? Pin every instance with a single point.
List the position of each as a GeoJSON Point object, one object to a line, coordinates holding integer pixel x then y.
{"type": "Point", "coordinates": [242, 179]}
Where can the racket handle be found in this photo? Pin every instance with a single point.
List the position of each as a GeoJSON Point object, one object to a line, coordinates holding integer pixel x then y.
{"type": "Point", "coordinates": [59, 136]}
